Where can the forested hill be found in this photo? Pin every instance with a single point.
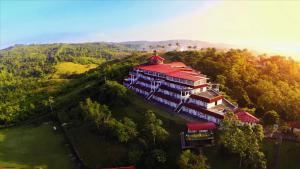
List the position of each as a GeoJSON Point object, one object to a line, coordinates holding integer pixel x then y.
{"type": "Point", "coordinates": [26, 73]}
{"type": "Point", "coordinates": [260, 83]}
{"type": "Point", "coordinates": [81, 86]}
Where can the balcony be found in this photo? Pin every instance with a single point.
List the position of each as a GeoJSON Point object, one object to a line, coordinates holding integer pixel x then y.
{"type": "Point", "coordinates": [199, 136]}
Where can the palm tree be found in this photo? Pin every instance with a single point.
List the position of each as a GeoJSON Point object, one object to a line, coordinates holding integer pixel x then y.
{"type": "Point", "coordinates": [178, 45]}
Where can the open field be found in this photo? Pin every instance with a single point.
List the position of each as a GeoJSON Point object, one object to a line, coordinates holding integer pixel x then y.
{"type": "Point", "coordinates": [33, 147]}
{"type": "Point", "coordinates": [69, 68]}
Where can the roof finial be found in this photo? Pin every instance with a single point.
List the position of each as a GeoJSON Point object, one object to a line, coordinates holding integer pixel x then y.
{"type": "Point", "coordinates": [155, 53]}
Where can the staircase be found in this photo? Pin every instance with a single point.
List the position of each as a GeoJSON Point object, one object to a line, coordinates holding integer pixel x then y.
{"type": "Point", "coordinates": [151, 94]}
{"type": "Point", "coordinates": [134, 82]}
{"type": "Point", "coordinates": [178, 108]}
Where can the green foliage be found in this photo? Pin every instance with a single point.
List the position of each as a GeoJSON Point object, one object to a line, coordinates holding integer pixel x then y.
{"type": "Point", "coordinates": [189, 160]}
{"type": "Point", "coordinates": [113, 93]}
{"type": "Point", "coordinates": [99, 114]}
{"type": "Point", "coordinates": [153, 127]}
{"type": "Point", "coordinates": [245, 141]}
{"type": "Point", "coordinates": [271, 118]}
{"type": "Point", "coordinates": [25, 73]}
{"type": "Point", "coordinates": [267, 83]}
{"type": "Point", "coordinates": [125, 130]}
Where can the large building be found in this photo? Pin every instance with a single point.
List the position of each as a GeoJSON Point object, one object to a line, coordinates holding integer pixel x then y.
{"type": "Point", "coordinates": [180, 87]}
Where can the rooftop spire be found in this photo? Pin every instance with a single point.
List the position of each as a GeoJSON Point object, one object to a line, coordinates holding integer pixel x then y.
{"type": "Point", "coordinates": [155, 59]}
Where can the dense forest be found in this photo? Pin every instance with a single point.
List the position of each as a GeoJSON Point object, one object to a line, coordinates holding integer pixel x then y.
{"type": "Point", "coordinates": [258, 83]}
{"type": "Point", "coordinates": [25, 72]}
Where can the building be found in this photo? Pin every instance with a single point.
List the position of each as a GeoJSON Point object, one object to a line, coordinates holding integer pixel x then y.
{"type": "Point", "coordinates": [179, 87]}
{"type": "Point", "coordinates": [198, 135]}
{"type": "Point", "coordinates": [247, 118]}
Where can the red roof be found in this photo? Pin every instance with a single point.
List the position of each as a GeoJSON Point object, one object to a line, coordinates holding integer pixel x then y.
{"type": "Point", "coordinates": [201, 126]}
{"type": "Point", "coordinates": [208, 100]}
{"type": "Point", "coordinates": [246, 117]}
{"type": "Point", "coordinates": [161, 68]}
{"type": "Point", "coordinates": [174, 69]}
{"type": "Point", "coordinates": [177, 64]}
{"type": "Point", "coordinates": [157, 58]}
{"type": "Point", "coordinates": [295, 124]}
{"type": "Point", "coordinates": [187, 75]}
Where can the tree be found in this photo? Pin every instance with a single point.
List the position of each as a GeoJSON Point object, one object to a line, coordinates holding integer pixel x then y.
{"type": "Point", "coordinates": [271, 118]}
{"type": "Point", "coordinates": [242, 140]}
{"type": "Point", "coordinates": [99, 114]}
{"type": "Point", "coordinates": [153, 127]}
{"type": "Point", "coordinates": [125, 130]}
{"type": "Point", "coordinates": [113, 93]}
{"type": "Point", "coordinates": [188, 160]}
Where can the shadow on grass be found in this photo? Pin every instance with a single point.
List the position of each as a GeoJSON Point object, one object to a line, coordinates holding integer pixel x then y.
{"type": "Point", "coordinates": [32, 147]}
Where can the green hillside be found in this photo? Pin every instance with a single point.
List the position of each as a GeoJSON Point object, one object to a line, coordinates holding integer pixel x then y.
{"type": "Point", "coordinates": [85, 93]}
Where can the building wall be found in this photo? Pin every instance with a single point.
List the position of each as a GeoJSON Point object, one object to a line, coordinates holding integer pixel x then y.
{"type": "Point", "coordinates": [166, 102]}
{"type": "Point", "coordinates": [200, 115]}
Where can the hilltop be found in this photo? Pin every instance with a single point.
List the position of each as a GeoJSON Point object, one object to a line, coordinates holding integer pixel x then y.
{"type": "Point", "coordinates": [57, 80]}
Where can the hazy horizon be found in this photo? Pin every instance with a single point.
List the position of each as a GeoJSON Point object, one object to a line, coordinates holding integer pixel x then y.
{"type": "Point", "coordinates": [256, 25]}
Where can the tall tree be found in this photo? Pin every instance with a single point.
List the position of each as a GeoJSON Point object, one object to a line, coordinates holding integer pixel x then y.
{"type": "Point", "coordinates": [154, 128]}
{"type": "Point", "coordinates": [245, 141]}
{"type": "Point", "coordinates": [271, 117]}
{"type": "Point", "coordinates": [95, 112]}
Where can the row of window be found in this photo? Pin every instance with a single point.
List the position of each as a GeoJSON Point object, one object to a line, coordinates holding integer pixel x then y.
{"type": "Point", "coordinates": [161, 100]}
{"type": "Point", "coordinates": [198, 102]}
{"type": "Point", "coordinates": [145, 84]}
{"type": "Point", "coordinates": [170, 94]}
{"type": "Point", "coordinates": [141, 91]}
{"type": "Point", "coordinates": [200, 115]}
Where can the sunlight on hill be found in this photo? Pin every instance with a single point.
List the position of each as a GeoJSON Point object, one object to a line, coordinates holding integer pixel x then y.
{"type": "Point", "coordinates": [65, 69]}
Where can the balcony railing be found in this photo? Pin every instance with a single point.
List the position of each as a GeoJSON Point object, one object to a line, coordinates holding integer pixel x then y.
{"type": "Point", "coordinates": [199, 136]}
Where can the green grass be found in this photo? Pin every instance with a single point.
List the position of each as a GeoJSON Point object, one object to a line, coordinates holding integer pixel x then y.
{"type": "Point", "coordinates": [95, 151]}
{"type": "Point", "coordinates": [70, 68]}
{"type": "Point", "coordinates": [33, 147]}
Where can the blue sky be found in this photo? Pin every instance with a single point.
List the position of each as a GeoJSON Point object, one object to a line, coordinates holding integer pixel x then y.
{"type": "Point", "coordinates": [252, 24]}
{"type": "Point", "coordinates": [41, 21]}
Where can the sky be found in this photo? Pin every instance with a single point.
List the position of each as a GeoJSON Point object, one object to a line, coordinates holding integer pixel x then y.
{"type": "Point", "coordinates": [271, 26]}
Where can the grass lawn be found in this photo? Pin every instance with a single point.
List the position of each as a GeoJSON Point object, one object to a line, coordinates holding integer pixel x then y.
{"type": "Point", "coordinates": [95, 151]}
{"type": "Point", "coordinates": [70, 68]}
{"type": "Point", "coordinates": [33, 147]}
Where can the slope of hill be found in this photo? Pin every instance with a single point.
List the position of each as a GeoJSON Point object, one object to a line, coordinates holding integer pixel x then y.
{"type": "Point", "coordinates": [264, 83]}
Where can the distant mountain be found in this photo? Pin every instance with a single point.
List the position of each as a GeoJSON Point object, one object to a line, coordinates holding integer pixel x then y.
{"type": "Point", "coordinates": [169, 45]}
